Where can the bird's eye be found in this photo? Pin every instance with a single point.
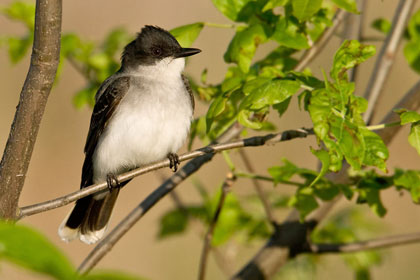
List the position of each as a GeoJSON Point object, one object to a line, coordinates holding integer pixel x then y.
{"type": "Point", "coordinates": [157, 51]}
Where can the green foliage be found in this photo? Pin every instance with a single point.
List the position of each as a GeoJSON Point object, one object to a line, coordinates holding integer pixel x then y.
{"type": "Point", "coordinates": [382, 25]}
{"type": "Point", "coordinates": [413, 118]}
{"type": "Point", "coordinates": [411, 50]}
{"type": "Point", "coordinates": [19, 45]}
{"type": "Point", "coordinates": [348, 5]}
{"type": "Point", "coordinates": [250, 92]}
{"type": "Point", "coordinates": [187, 34]}
{"type": "Point", "coordinates": [29, 249]}
{"type": "Point", "coordinates": [234, 220]}
{"type": "Point", "coordinates": [336, 114]}
{"type": "Point", "coordinates": [305, 9]}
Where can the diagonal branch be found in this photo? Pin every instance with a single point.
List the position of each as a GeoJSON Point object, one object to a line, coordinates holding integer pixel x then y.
{"type": "Point", "coordinates": [386, 57]}
{"type": "Point", "coordinates": [170, 184]}
{"type": "Point", "coordinates": [33, 99]}
{"type": "Point", "coordinates": [378, 243]}
{"type": "Point", "coordinates": [227, 184]}
{"type": "Point", "coordinates": [321, 42]}
{"type": "Point", "coordinates": [208, 150]}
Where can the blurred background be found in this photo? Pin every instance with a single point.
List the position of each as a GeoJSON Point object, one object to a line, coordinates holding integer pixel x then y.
{"type": "Point", "coordinates": [57, 159]}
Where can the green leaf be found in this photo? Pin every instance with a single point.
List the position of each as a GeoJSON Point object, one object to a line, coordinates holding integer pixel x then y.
{"type": "Point", "coordinates": [288, 33]}
{"type": "Point", "coordinates": [376, 152]}
{"type": "Point", "coordinates": [187, 34]}
{"type": "Point", "coordinates": [232, 219]}
{"type": "Point", "coordinates": [411, 49]}
{"type": "Point", "coordinates": [350, 54]}
{"type": "Point", "coordinates": [282, 106]}
{"type": "Point", "coordinates": [304, 9]}
{"type": "Point", "coordinates": [28, 248]}
{"type": "Point", "coordinates": [85, 96]}
{"type": "Point", "coordinates": [18, 47]}
{"type": "Point", "coordinates": [271, 4]}
{"type": "Point", "coordinates": [269, 92]}
{"type": "Point", "coordinates": [348, 5]}
{"type": "Point", "coordinates": [244, 119]}
{"type": "Point", "coordinates": [373, 199]}
{"type": "Point", "coordinates": [411, 181]}
{"type": "Point", "coordinates": [230, 8]}
{"type": "Point", "coordinates": [409, 117]}
{"type": "Point", "coordinates": [324, 157]}
{"type": "Point", "coordinates": [242, 48]}
{"type": "Point", "coordinates": [414, 136]}
{"type": "Point", "coordinates": [382, 25]}
{"type": "Point", "coordinates": [215, 109]}
{"type": "Point", "coordinates": [173, 222]}
{"type": "Point", "coordinates": [21, 11]}
{"type": "Point", "coordinates": [303, 202]}
{"type": "Point", "coordinates": [115, 40]}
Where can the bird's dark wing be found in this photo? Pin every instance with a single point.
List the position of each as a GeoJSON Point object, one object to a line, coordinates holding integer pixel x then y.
{"type": "Point", "coordinates": [188, 87]}
{"type": "Point", "coordinates": [102, 113]}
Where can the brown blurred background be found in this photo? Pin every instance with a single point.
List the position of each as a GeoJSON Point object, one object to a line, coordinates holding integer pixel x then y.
{"type": "Point", "coordinates": [57, 158]}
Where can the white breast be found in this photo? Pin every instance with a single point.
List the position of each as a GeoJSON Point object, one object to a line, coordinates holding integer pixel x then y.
{"type": "Point", "coordinates": [152, 120]}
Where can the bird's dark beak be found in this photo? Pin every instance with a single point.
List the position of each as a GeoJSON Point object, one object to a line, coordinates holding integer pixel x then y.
{"type": "Point", "coordinates": [184, 52]}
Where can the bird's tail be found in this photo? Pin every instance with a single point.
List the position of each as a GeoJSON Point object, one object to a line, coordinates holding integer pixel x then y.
{"type": "Point", "coordinates": [89, 218]}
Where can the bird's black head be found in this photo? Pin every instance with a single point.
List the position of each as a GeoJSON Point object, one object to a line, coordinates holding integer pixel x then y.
{"type": "Point", "coordinates": [152, 45]}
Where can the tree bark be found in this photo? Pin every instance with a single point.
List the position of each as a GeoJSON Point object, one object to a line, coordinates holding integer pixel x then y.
{"type": "Point", "coordinates": [33, 98]}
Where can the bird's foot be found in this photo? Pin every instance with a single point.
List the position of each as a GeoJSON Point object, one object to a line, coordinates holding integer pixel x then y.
{"type": "Point", "coordinates": [173, 161]}
{"type": "Point", "coordinates": [112, 182]}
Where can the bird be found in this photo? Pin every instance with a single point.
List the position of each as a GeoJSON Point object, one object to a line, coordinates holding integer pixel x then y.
{"type": "Point", "coordinates": [142, 114]}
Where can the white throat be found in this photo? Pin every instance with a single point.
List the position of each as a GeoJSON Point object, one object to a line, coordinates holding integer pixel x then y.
{"type": "Point", "coordinates": [167, 68]}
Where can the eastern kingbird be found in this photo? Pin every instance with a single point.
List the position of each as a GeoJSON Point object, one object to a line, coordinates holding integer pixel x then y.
{"type": "Point", "coordinates": [142, 114]}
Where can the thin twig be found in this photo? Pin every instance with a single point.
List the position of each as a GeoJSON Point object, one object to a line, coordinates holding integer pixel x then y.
{"type": "Point", "coordinates": [258, 188]}
{"type": "Point", "coordinates": [378, 243]}
{"type": "Point", "coordinates": [211, 149]}
{"type": "Point", "coordinates": [219, 257]}
{"type": "Point", "coordinates": [386, 57]}
{"type": "Point", "coordinates": [227, 184]}
{"type": "Point", "coordinates": [321, 42]}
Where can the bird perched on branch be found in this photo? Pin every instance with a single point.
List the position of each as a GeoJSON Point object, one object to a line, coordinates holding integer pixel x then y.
{"type": "Point", "coordinates": [142, 114]}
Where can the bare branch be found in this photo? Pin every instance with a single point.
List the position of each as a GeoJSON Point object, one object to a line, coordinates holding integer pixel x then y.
{"type": "Point", "coordinates": [378, 243]}
{"type": "Point", "coordinates": [211, 149]}
{"type": "Point", "coordinates": [321, 42]}
{"type": "Point", "coordinates": [386, 57]}
{"type": "Point", "coordinates": [227, 184]}
{"type": "Point", "coordinates": [33, 98]}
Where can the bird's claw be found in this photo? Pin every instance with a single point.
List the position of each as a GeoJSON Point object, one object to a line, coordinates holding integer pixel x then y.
{"type": "Point", "coordinates": [112, 182]}
{"type": "Point", "coordinates": [173, 161]}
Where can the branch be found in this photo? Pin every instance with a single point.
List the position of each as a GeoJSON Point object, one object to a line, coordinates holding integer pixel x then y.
{"type": "Point", "coordinates": [227, 184]}
{"type": "Point", "coordinates": [106, 244]}
{"type": "Point", "coordinates": [321, 42]}
{"type": "Point", "coordinates": [386, 57]}
{"type": "Point", "coordinates": [33, 98]}
{"type": "Point", "coordinates": [211, 149]}
{"type": "Point", "coordinates": [258, 188]}
{"type": "Point", "coordinates": [270, 258]}
{"type": "Point", "coordinates": [378, 243]}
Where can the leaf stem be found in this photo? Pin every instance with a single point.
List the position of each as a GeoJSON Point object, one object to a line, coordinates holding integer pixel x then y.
{"type": "Point", "coordinates": [382, 126]}
{"type": "Point", "coordinates": [264, 178]}
{"type": "Point", "coordinates": [219, 25]}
